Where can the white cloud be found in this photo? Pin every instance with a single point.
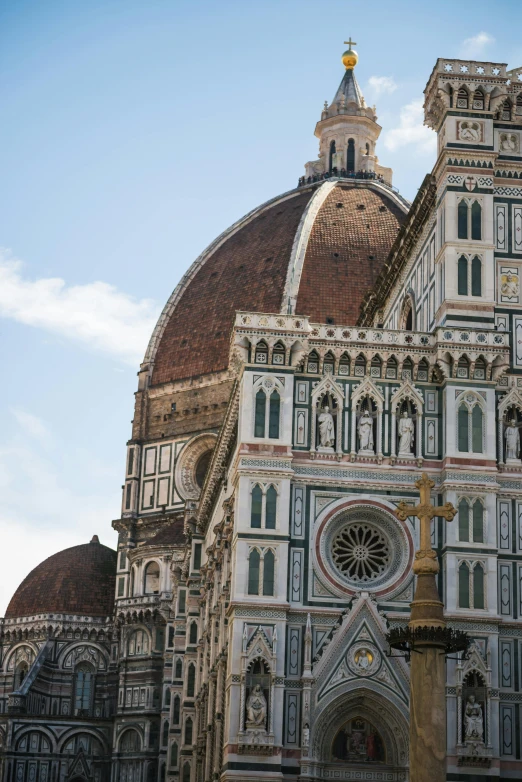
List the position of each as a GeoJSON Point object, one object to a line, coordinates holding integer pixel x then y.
{"type": "Point", "coordinates": [381, 84]}
{"type": "Point", "coordinates": [31, 424]}
{"type": "Point", "coordinates": [474, 47]}
{"type": "Point", "coordinates": [96, 314]}
{"type": "Point", "coordinates": [411, 132]}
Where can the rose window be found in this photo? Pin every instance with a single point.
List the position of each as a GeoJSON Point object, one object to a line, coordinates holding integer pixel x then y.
{"type": "Point", "coordinates": [361, 552]}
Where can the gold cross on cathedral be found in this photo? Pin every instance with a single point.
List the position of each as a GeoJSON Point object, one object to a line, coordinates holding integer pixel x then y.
{"type": "Point", "coordinates": [425, 558]}
{"type": "Point", "coordinates": [350, 42]}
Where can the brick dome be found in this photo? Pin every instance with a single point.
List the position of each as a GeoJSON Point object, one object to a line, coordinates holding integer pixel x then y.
{"type": "Point", "coordinates": [313, 251]}
{"type": "Point", "coordinates": [77, 580]}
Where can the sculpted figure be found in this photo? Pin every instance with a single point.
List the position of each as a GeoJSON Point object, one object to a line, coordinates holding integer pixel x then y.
{"type": "Point", "coordinates": [256, 708]}
{"type": "Point", "coordinates": [473, 721]}
{"type": "Point", "coordinates": [508, 142]}
{"type": "Point", "coordinates": [326, 428]}
{"type": "Point", "coordinates": [469, 131]}
{"type": "Point", "coordinates": [363, 660]}
{"type": "Point", "coordinates": [365, 432]}
{"type": "Point", "coordinates": [509, 285]}
{"type": "Point", "coordinates": [406, 434]}
{"type": "Point", "coordinates": [512, 438]}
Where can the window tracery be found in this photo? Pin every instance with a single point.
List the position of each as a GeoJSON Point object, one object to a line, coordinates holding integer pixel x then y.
{"type": "Point", "coordinates": [261, 571]}
{"type": "Point", "coordinates": [472, 579]}
{"type": "Point", "coordinates": [471, 520]}
{"type": "Point", "coordinates": [267, 408]}
{"type": "Point", "coordinates": [263, 507]}
{"type": "Point", "coordinates": [470, 424]}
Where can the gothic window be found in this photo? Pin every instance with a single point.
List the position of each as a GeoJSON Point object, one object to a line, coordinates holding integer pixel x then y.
{"type": "Point", "coordinates": [329, 363]}
{"type": "Point", "coordinates": [178, 671]}
{"type": "Point", "coordinates": [191, 681]}
{"type": "Point", "coordinates": [175, 711]}
{"type": "Point", "coordinates": [152, 579]}
{"type": "Point", "coordinates": [182, 601]}
{"type": "Point", "coordinates": [186, 772]}
{"type": "Point", "coordinates": [21, 672]}
{"type": "Point", "coordinates": [360, 366]}
{"type": "Point", "coordinates": [350, 155]}
{"type": "Point", "coordinates": [423, 370]}
{"type": "Point", "coordinates": [519, 103]}
{"type": "Point", "coordinates": [313, 362]}
{"type": "Point", "coordinates": [505, 113]}
{"type": "Point", "coordinates": [462, 99]}
{"type": "Point", "coordinates": [260, 414]}
{"type": "Point", "coordinates": [479, 372]}
{"type": "Point", "coordinates": [130, 742]}
{"type": "Point", "coordinates": [462, 276]}
{"type": "Point", "coordinates": [196, 565]}
{"type": "Point", "coordinates": [167, 697]}
{"type": "Point", "coordinates": [121, 587]}
{"type": "Point", "coordinates": [344, 364]}
{"type": "Point", "coordinates": [275, 407]}
{"type": "Point", "coordinates": [470, 426]}
{"type": "Point", "coordinates": [376, 367]}
{"type": "Point", "coordinates": [261, 353]}
{"type": "Point", "coordinates": [476, 276]}
{"type": "Point", "coordinates": [83, 689]}
{"type": "Point", "coordinates": [476, 221]}
{"type": "Point", "coordinates": [472, 585]}
{"type": "Point", "coordinates": [193, 634]}
{"type": "Point", "coordinates": [463, 367]}
{"type": "Point", "coordinates": [174, 755]}
{"type": "Point", "coordinates": [165, 734]}
{"type": "Point", "coordinates": [471, 521]}
{"type": "Point", "coordinates": [257, 507]}
{"type": "Point", "coordinates": [261, 572]}
{"type": "Point", "coordinates": [132, 582]}
{"type": "Point", "coordinates": [138, 643]}
{"type": "Point", "coordinates": [469, 220]}
{"type": "Point", "coordinates": [278, 353]}
{"type": "Point", "coordinates": [391, 368]}
{"type": "Point", "coordinates": [263, 508]}
{"type": "Point", "coordinates": [332, 153]}
{"type": "Point", "coordinates": [188, 730]}
{"type": "Point", "coordinates": [123, 560]}
{"type": "Point", "coordinates": [478, 100]}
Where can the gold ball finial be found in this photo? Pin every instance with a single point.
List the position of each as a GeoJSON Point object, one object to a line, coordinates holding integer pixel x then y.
{"type": "Point", "coordinates": [350, 57]}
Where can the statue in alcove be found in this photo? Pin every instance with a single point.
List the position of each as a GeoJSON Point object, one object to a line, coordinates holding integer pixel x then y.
{"type": "Point", "coordinates": [512, 439]}
{"type": "Point", "coordinates": [406, 434]}
{"type": "Point", "coordinates": [256, 708]}
{"type": "Point", "coordinates": [473, 720]}
{"type": "Point", "coordinates": [365, 432]}
{"type": "Point", "coordinates": [326, 428]}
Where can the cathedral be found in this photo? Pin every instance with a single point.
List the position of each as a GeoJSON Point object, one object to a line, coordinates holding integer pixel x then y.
{"type": "Point", "coordinates": [319, 355]}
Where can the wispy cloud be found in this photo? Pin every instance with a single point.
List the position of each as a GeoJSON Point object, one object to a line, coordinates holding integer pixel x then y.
{"type": "Point", "coordinates": [379, 85]}
{"type": "Point", "coordinates": [411, 132]}
{"type": "Point", "coordinates": [31, 424]}
{"type": "Point", "coordinates": [96, 315]}
{"type": "Point", "coordinates": [474, 47]}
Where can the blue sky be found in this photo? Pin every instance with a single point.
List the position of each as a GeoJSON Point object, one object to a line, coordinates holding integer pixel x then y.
{"type": "Point", "coordinates": [132, 134]}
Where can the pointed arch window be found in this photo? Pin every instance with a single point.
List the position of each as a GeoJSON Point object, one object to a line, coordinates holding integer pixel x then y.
{"type": "Point", "coordinates": [462, 276]}
{"type": "Point", "coordinates": [478, 100]}
{"type": "Point", "coordinates": [261, 572]}
{"type": "Point", "coordinates": [350, 156]}
{"type": "Point", "coordinates": [476, 221]}
{"type": "Point", "coordinates": [176, 710]}
{"type": "Point", "coordinates": [257, 507]}
{"type": "Point", "coordinates": [174, 755]}
{"type": "Point", "coordinates": [519, 103]}
{"type": "Point", "coordinates": [463, 521]}
{"type": "Point", "coordinates": [263, 511]}
{"type": "Point", "coordinates": [476, 276]}
{"type": "Point", "coordinates": [313, 362]}
{"type": "Point", "coordinates": [260, 414]}
{"type": "Point", "coordinates": [188, 730]}
{"type": "Point", "coordinates": [261, 353]}
{"type": "Point", "coordinates": [505, 113]}
{"type": "Point", "coordinates": [186, 772]}
{"type": "Point", "coordinates": [193, 635]}
{"type": "Point", "coordinates": [462, 221]}
{"type": "Point", "coordinates": [471, 521]}
{"type": "Point", "coordinates": [469, 220]}
{"type": "Point", "coordinates": [470, 426]}
{"type": "Point", "coordinates": [278, 353]}
{"type": "Point", "coordinates": [332, 153]}
{"type": "Point", "coordinates": [472, 585]}
{"type": "Point", "coordinates": [191, 680]}
{"type": "Point", "coordinates": [274, 414]}
{"type": "Point", "coordinates": [344, 364]}
{"type": "Point", "coordinates": [83, 689]}
{"type": "Point", "coordinates": [464, 601]}
{"type": "Point", "coordinates": [271, 508]}
{"type": "Point", "coordinates": [178, 671]}
{"type": "Point", "coordinates": [165, 734]}
{"type": "Point", "coordinates": [462, 99]}
{"type": "Point", "coordinates": [267, 409]}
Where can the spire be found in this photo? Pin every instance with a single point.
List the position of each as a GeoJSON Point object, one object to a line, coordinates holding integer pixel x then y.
{"type": "Point", "coordinates": [349, 92]}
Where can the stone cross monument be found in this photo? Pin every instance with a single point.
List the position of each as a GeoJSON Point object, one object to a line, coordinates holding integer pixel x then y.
{"type": "Point", "coordinates": [428, 634]}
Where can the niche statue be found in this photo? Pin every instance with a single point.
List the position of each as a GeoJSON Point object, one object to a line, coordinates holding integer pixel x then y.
{"type": "Point", "coordinates": [512, 438]}
{"type": "Point", "coordinates": [365, 432]}
{"type": "Point", "coordinates": [406, 434]}
{"type": "Point", "coordinates": [256, 708]}
{"type": "Point", "coordinates": [326, 428]}
{"type": "Point", "coordinates": [473, 721]}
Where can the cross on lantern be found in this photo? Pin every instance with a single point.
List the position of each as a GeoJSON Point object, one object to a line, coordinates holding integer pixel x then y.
{"type": "Point", "coordinates": [425, 558]}
{"type": "Point", "coordinates": [350, 42]}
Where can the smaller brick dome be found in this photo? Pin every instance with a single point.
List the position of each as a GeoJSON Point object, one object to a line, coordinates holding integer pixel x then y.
{"type": "Point", "coordinates": [77, 580]}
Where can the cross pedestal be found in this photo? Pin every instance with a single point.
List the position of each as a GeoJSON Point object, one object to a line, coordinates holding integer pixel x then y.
{"type": "Point", "coordinates": [428, 663]}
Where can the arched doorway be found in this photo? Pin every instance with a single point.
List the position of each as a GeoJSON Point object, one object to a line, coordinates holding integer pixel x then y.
{"type": "Point", "coordinates": [362, 730]}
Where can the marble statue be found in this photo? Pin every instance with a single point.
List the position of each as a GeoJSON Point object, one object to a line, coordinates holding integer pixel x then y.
{"type": "Point", "coordinates": [509, 285]}
{"type": "Point", "coordinates": [469, 131]}
{"type": "Point", "coordinates": [473, 720]}
{"type": "Point", "coordinates": [365, 432]}
{"type": "Point", "coordinates": [364, 660]}
{"type": "Point", "coordinates": [406, 434]}
{"type": "Point", "coordinates": [326, 428]}
{"type": "Point", "coordinates": [512, 438]}
{"type": "Point", "coordinates": [256, 708]}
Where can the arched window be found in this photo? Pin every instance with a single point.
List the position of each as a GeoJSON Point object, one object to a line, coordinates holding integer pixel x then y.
{"type": "Point", "coordinates": [165, 734]}
{"type": "Point", "coordinates": [313, 362]}
{"type": "Point", "coordinates": [462, 276]}
{"type": "Point", "coordinates": [254, 561]}
{"type": "Point", "coordinates": [463, 367]}
{"type": "Point", "coordinates": [462, 99]}
{"type": "Point", "coordinates": [463, 520]}
{"type": "Point", "coordinates": [191, 680]}
{"type": "Point", "coordinates": [329, 363]}
{"type": "Point", "coordinates": [188, 730]}
{"type": "Point", "coordinates": [462, 214]}
{"type": "Point", "coordinates": [268, 573]}
{"type": "Point", "coordinates": [271, 508]}
{"type": "Point", "coordinates": [478, 522]}
{"type": "Point", "coordinates": [344, 364]}
{"type": "Point", "coordinates": [479, 372]}
{"type": "Point", "coordinates": [463, 428]}
{"type": "Point", "coordinates": [132, 582]}
{"type": "Point", "coordinates": [186, 772]}
{"type": "Point", "coordinates": [175, 710]}
{"type": "Point", "coordinates": [464, 585]}
{"type": "Point", "coordinates": [130, 742]}
{"type": "Point", "coordinates": [21, 672]}
{"type": "Point", "coordinates": [33, 742]}
{"type": "Point", "coordinates": [193, 634]}
{"type": "Point", "coordinates": [391, 368]}
{"type": "Point", "coordinates": [257, 507]}
{"type": "Point", "coordinates": [476, 221]}
{"type": "Point", "coordinates": [478, 100]}
{"type": "Point", "coordinates": [505, 114]}
{"type": "Point", "coordinates": [260, 414]}
{"type": "Point", "coordinates": [476, 276]}
{"type": "Point", "coordinates": [376, 366]}
{"type": "Point", "coordinates": [519, 103]}
{"type": "Point", "coordinates": [367, 148]}
{"type": "Point", "coordinates": [278, 353]}
{"type": "Point", "coordinates": [470, 425]}
{"type": "Point", "coordinates": [478, 587]}
{"type": "Point", "coordinates": [261, 353]}
{"type": "Point", "coordinates": [83, 688]}
{"type": "Point", "coordinates": [408, 325]}
{"type": "Point", "coordinates": [167, 697]}
{"type": "Point", "coordinates": [477, 426]}
{"type": "Point", "coordinates": [152, 579]}
{"type": "Point", "coordinates": [350, 155]}
{"type": "Point", "coordinates": [332, 153]}
{"type": "Point", "coordinates": [174, 754]}
{"type": "Point", "coordinates": [275, 406]}
{"type": "Point", "coordinates": [178, 671]}
{"type": "Point", "coordinates": [138, 643]}
{"type": "Point", "coordinates": [360, 366]}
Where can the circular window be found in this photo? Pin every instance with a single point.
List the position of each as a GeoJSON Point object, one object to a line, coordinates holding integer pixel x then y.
{"type": "Point", "coordinates": [362, 547]}
{"type": "Point", "coordinates": [361, 552]}
{"type": "Point", "coordinates": [202, 467]}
